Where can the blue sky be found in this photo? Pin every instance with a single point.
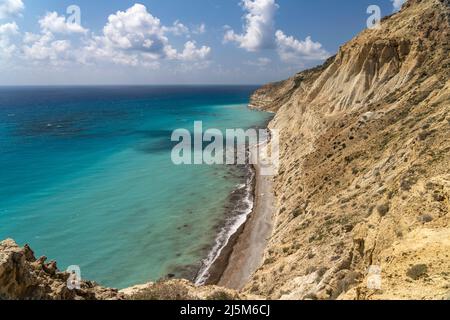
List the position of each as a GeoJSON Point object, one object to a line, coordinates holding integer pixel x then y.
{"type": "Point", "coordinates": [172, 41]}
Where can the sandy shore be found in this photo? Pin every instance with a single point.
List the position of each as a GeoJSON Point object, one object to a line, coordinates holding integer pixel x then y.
{"type": "Point", "coordinates": [246, 255]}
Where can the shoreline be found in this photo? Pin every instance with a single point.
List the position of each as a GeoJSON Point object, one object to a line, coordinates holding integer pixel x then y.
{"type": "Point", "coordinates": [244, 251]}
{"type": "Point", "coordinates": [242, 202]}
{"type": "Point", "coordinates": [247, 252]}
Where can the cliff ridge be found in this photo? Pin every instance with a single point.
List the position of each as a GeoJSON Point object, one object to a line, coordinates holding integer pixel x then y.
{"type": "Point", "coordinates": [364, 182]}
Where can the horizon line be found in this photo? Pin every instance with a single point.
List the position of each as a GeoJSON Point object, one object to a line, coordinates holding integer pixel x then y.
{"type": "Point", "coordinates": [131, 85]}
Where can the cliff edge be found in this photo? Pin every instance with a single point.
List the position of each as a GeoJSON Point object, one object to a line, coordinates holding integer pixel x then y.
{"type": "Point", "coordinates": [364, 187]}
{"type": "Point", "coordinates": [23, 277]}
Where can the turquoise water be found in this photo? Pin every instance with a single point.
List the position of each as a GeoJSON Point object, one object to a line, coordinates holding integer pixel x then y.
{"type": "Point", "coordinates": [86, 177]}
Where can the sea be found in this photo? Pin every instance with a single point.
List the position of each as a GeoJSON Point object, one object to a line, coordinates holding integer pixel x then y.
{"type": "Point", "coordinates": [86, 178]}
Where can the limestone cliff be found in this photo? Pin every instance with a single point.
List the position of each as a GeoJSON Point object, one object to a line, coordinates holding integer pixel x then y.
{"type": "Point", "coordinates": [365, 158]}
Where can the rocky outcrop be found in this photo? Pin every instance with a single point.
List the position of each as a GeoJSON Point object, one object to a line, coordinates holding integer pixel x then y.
{"type": "Point", "coordinates": [365, 158]}
{"type": "Point", "coordinates": [23, 277]}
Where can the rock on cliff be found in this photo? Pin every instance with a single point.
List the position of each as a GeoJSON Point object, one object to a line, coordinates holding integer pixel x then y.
{"type": "Point", "coordinates": [23, 277]}
{"type": "Point", "coordinates": [365, 158]}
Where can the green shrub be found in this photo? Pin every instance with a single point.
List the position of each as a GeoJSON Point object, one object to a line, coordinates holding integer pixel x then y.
{"type": "Point", "coordinates": [418, 271]}
{"type": "Point", "coordinates": [221, 295]}
{"type": "Point", "coordinates": [164, 291]}
{"type": "Point", "coordinates": [383, 209]}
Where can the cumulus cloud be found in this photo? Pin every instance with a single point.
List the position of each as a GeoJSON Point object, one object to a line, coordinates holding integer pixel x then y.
{"type": "Point", "coordinates": [292, 50]}
{"type": "Point", "coordinates": [7, 31]}
{"type": "Point", "coordinates": [259, 33]}
{"type": "Point", "coordinates": [177, 29]}
{"type": "Point", "coordinates": [398, 4]}
{"type": "Point", "coordinates": [54, 23]}
{"type": "Point", "coordinates": [44, 47]}
{"type": "Point", "coordinates": [135, 36]}
{"type": "Point", "coordinates": [136, 30]}
{"type": "Point", "coordinates": [192, 53]}
{"type": "Point", "coordinates": [259, 26]}
{"type": "Point", "coordinates": [10, 8]}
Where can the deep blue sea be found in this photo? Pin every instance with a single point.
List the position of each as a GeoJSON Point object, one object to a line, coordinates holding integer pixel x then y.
{"type": "Point", "coordinates": [86, 177]}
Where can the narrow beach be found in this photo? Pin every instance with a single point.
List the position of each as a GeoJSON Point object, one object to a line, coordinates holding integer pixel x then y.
{"type": "Point", "coordinates": [248, 251]}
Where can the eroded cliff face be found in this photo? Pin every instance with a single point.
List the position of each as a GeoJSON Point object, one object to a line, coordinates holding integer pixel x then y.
{"type": "Point", "coordinates": [365, 166]}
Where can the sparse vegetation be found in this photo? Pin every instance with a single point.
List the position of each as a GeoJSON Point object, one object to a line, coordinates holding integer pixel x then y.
{"type": "Point", "coordinates": [383, 209]}
{"type": "Point", "coordinates": [164, 291]}
{"type": "Point", "coordinates": [425, 218]}
{"type": "Point", "coordinates": [438, 197]}
{"type": "Point", "coordinates": [269, 260]}
{"type": "Point", "coordinates": [221, 295]}
{"type": "Point", "coordinates": [417, 271]}
{"type": "Point", "coordinates": [408, 181]}
{"type": "Point", "coordinates": [297, 212]}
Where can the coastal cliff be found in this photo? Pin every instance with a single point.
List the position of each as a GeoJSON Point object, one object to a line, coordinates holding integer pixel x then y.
{"type": "Point", "coordinates": [365, 158]}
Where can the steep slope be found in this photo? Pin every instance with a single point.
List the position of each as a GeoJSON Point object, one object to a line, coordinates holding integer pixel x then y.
{"type": "Point", "coordinates": [365, 158]}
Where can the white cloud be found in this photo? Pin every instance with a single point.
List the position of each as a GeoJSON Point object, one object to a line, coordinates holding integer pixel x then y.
{"type": "Point", "coordinates": [135, 37]}
{"type": "Point", "coordinates": [44, 47]}
{"type": "Point", "coordinates": [292, 50]}
{"type": "Point", "coordinates": [398, 4]}
{"type": "Point", "coordinates": [10, 8]}
{"type": "Point", "coordinates": [192, 53]}
{"type": "Point", "coordinates": [177, 29]}
{"type": "Point", "coordinates": [201, 29]}
{"type": "Point", "coordinates": [259, 33]}
{"type": "Point", "coordinates": [7, 31]}
{"type": "Point", "coordinates": [136, 29]}
{"type": "Point", "coordinates": [259, 26]}
{"type": "Point", "coordinates": [30, 37]}
{"type": "Point", "coordinates": [96, 50]}
{"type": "Point", "coordinates": [54, 23]}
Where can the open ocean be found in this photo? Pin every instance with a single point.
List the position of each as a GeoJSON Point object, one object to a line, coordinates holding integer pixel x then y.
{"type": "Point", "coordinates": [86, 177]}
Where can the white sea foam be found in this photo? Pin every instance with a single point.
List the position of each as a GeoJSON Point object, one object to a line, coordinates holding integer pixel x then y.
{"type": "Point", "coordinates": [232, 225]}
